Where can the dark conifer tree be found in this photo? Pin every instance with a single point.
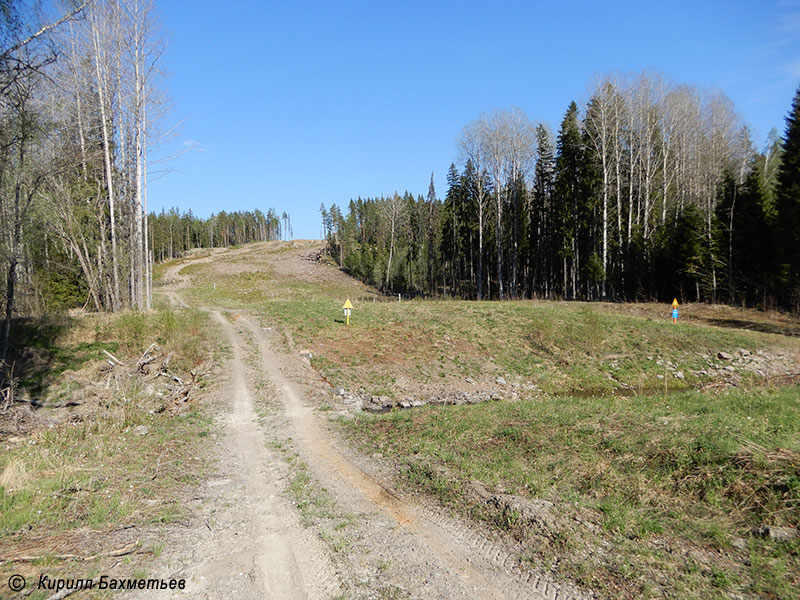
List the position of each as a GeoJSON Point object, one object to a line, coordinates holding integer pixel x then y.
{"type": "Point", "coordinates": [540, 234]}
{"type": "Point", "coordinates": [788, 208]}
{"type": "Point", "coordinates": [449, 248]}
{"type": "Point", "coordinates": [689, 253]}
{"type": "Point", "coordinates": [432, 210]}
{"type": "Point", "coordinates": [725, 226]}
{"type": "Point", "coordinates": [589, 222]}
{"type": "Point", "coordinates": [752, 242]}
{"type": "Point", "coordinates": [567, 199]}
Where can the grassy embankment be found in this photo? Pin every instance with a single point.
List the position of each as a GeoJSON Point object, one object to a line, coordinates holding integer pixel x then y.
{"type": "Point", "coordinates": [653, 495]}
{"type": "Point", "coordinates": [81, 480]}
{"type": "Point", "coordinates": [561, 347]}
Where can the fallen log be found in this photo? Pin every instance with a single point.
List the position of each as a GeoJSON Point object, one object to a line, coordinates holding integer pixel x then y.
{"type": "Point", "coordinates": [129, 549]}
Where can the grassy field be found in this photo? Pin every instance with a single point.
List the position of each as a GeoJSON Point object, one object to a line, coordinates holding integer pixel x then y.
{"type": "Point", "coordinates": [654, 471]}
{"type": "Point", "coordinates": [560, 347]}
{"type": "Point", "coordinates": [86, 479]}
{"type": "Point", "coordinates": [651, 496]}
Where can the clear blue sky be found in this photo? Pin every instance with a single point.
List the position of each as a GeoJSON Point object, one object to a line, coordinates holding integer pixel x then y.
{"type": "Point", "coordinates": [292, 104]}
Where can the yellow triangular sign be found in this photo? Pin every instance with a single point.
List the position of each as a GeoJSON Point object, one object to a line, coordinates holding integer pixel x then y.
{"type": "Point", "coordinates": [347, 304]}
{"type": "Point", "coordinates": [675, 303]}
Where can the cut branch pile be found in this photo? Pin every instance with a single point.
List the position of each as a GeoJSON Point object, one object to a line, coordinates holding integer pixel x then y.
{"type": "Point", "coordinates": [106, 389]}
{"type": "Point", "coordinates": [153, 366]}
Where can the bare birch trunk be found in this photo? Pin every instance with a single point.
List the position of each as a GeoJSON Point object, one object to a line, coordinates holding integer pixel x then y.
{"type": "Point", "coordinates": [148, 292]}
{"type": "Point", "coordinates": [101, 90]}
{"type": "Point", "coordinates": [79, 108]}
{"type": "Point", "coordinates": [138, 256]}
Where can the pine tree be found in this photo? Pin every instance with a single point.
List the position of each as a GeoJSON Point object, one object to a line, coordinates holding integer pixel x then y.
{"type": "Point", "coordinates": [788, 208]}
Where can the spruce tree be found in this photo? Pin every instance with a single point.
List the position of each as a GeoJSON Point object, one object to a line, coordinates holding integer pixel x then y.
{"type": "Point", "coordinates": [788, 208]}
{"type": "Point", "coordinates": [566, 199]}
{"type": "Point", "coordinates": [539, 229]}
{"type": "Point", "coordinates": [753, 243]}
{"type": "Point", "coordinates": [449, 249]}
{"type": "Point", "coordinates": [688, 252]}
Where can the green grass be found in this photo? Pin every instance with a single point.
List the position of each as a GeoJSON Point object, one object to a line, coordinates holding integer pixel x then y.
{"type": "Point", "coordinates": [185, 332]}
{"type": "Point", "coordinates": [44, 349]}
{"type": "Point", "coordinates": [159, 269]}
{"type": "Point", "coordinates": [659, 476]}
{"type": "Point", "coordinates": [41, 353]}
{"type": "Point", "coordinates": [560, 347]}
{"type": "Point", "coordinates": [93, 474]}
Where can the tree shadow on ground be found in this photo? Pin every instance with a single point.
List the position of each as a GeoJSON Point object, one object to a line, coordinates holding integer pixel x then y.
{"type": "Point", "coordinates": [753, 326]}
{"type": "Point", "coordinates": [39, 353]}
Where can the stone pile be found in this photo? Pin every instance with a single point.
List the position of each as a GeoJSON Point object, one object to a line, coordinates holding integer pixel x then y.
{"type": "Point", "coordinates": [382, 403]}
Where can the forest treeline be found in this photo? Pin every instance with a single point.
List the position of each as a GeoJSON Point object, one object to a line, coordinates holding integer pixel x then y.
{"type": "Point", "coordinates": [174, 233]}
{"type": "Point", "coordinates": [653, 191]}
{"type": "Point", "coordinates": [81, 105]}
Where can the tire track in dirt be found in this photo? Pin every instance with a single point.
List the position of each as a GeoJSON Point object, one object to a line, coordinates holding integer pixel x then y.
{"type": "Point", "coordinates": [290, 566]}
{"type": "Point", "coordinates": [250, 544]}
{"type": "Point", "coordinates": [441, 540]}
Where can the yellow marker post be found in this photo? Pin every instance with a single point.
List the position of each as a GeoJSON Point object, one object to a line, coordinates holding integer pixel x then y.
{"type": "Point", "coordinates": [675, 311]}
{"type": "Point", "coordinates": [347, 308]}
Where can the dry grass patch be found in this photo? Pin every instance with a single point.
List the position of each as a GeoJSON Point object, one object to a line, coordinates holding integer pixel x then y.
{"type": "Point", "coordinates": [118, 458]}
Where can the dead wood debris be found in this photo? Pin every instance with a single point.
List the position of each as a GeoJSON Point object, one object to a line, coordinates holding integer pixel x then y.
{"type": "Point", "coordinates": [124, 551]}
{"type": "Point", "coordinates": [8, 385]}
{"type": "Point", "coordinates": [153, 366]}
{"type": "Point", "coordinates": [164, 391]}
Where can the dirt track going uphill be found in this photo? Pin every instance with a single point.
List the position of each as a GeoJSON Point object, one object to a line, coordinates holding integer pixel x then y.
{"type": "Point", "coordinates": [251, 539]}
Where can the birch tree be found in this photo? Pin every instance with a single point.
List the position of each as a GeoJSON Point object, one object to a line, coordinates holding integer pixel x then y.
{"type": "Point", "coordinates": [101, 36]}
{"type": "Point", "coordinates": [521, 142]}
{"type": "Point", "coordinates": [21, 176]}
{"type": "Point", "coordinates": [472, 150]}
{"type": "Point", "coordinates": [22, 172]}
{"type": "Point", "coordinates": [601, 128]}
{"type": "Point", "coordinates": [494, 137]}
{"type": "Point", "coordinates": [394, 211]}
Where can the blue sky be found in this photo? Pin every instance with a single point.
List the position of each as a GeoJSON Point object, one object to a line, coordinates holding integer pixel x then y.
{"type": "Point", "coordinates": [289, 105]}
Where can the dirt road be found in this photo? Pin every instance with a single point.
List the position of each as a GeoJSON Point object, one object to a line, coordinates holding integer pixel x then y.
{"type": "Point", "coordinates": [249, 540]}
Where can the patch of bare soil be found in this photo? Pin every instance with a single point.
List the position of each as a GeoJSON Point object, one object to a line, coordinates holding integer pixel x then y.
{"type": "Point", "coordinates": [246, 540]}
{"type": "Point", "coordinates": [304, 260]}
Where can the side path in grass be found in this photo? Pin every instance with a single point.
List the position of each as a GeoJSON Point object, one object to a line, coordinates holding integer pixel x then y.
{"type": "Point", "coordinates": [378, 543]}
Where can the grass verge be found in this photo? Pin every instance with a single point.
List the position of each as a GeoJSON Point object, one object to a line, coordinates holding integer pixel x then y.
{"type": "Point", "coordinates": [654, 494]}
{"type": "Point", "coordinates": [651, 496]}
{"type": "Point", "coordinates": [91, 477]}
